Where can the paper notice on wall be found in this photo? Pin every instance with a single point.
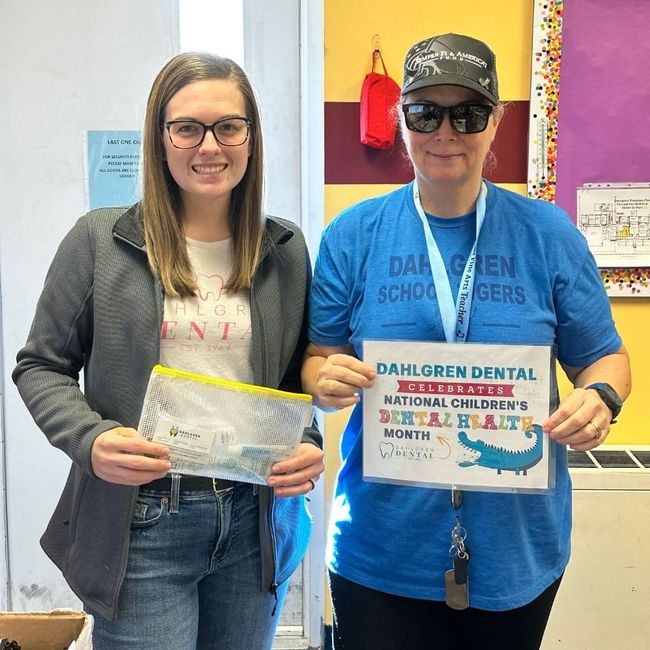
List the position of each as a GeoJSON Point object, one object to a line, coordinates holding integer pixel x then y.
{"type": "Point", "coordinates": [615, 219]}
{"type": "Point", "coordinates": [112, 163]}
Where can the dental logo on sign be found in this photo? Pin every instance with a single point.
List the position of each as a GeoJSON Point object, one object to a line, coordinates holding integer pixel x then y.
{"type": "Point", "coordinates": [386, 449]}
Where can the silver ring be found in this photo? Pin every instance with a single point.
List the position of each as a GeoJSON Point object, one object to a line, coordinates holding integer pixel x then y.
{"type": "Point", "coordinates": [313, 483]}
{"type": "Point", "coordinates": [599, 431]}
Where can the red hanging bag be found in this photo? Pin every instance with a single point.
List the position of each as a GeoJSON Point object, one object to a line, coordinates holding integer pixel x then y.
{"type": "Point", "coordinates": [379, 94]}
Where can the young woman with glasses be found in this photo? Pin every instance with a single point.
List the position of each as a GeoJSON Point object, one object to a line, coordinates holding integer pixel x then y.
{"type": "Point", "coordinates": [390, 268]}
{"type": "Point", "coordinates": [194, 277]}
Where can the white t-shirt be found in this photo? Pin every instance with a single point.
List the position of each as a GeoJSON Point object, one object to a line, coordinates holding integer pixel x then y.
{"type": "Point", "coordinates": [209, 333]}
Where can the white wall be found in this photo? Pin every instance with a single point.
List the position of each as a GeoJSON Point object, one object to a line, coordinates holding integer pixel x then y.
{"type": "Point", "coordinates": [271, 38]}
{"type": "Point", "coordinates": [64, 67]}
{"type": "Point", "coordinates": [67, 67]}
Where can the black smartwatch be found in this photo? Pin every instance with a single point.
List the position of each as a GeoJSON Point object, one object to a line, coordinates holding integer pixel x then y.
{"type": "Point", "coordinates": [609, 396]}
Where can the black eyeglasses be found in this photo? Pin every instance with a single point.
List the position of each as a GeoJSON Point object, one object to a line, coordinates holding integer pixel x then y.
{"type": "Point", "coordinates": [228, 132]}
{"type": "Point", "coordinates": [464, 118]}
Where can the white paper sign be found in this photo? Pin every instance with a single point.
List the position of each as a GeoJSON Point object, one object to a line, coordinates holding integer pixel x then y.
{"type": "Point", "coordinates": [457, 414]}
{"type": "Point", "coordinates": [615, 219]}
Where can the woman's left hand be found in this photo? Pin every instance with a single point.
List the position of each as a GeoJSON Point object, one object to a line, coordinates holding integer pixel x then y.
{"type": "Point", "coordinates": [581, 421]}
{"type": "Point", "coordinates": [298, 474]}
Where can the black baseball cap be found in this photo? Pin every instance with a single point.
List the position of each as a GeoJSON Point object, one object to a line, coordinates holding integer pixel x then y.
{"type": "Point", "coordinates": [455, 60]}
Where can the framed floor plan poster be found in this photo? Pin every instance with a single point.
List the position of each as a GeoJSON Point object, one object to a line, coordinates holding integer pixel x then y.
{"type": "Point", "coordinates": [465, 415]}
{"type": "Point", "coordinates": [615, 219]}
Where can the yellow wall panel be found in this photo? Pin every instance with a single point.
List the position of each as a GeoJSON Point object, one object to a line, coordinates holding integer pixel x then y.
{"type": "Point", "coordinates": [350, 26]}
{"type": "Point", "coordinates": [632, 316]}
{"type": "Point", "coordinates": [338, 197]}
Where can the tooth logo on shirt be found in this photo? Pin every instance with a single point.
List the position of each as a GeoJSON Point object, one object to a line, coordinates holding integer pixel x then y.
{"type": "Point", "coordinates": [210, 286]}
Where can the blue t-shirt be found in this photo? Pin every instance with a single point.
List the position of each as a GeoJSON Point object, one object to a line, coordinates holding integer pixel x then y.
{"type": "Point", "coordinates": [536, 283]}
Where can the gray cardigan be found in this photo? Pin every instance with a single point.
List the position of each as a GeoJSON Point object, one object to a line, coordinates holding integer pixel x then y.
{"type": "Point", "coordinates": [101, 310]}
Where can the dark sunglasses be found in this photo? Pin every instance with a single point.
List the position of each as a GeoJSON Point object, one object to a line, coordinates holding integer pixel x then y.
{"type": "Point", "coordinates": [464, 118]}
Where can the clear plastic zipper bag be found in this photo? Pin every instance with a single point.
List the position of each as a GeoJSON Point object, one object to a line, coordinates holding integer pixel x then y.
{"type": "Point", "coordinates": [219, 428]}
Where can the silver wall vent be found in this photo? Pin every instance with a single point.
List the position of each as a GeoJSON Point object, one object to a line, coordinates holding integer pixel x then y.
{"type": "Point", "coordinates": [606, 458]}
{"type": "Point", "coordinates": [611, 467]}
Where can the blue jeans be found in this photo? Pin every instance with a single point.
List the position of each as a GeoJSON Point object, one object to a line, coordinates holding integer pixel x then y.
{"type": "Point", "coordinates": [193, 578]}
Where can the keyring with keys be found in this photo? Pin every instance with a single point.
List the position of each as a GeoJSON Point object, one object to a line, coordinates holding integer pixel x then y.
{"type": "Point", "coordinates": [456, 587]}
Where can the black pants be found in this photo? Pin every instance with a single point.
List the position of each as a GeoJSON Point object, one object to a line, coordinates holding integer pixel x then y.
{"type": "Point", "coordinates": [365, 619]}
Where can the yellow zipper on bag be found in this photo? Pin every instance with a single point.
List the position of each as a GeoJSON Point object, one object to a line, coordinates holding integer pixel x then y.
{"type": "Point", "coordinates": [273, 393]}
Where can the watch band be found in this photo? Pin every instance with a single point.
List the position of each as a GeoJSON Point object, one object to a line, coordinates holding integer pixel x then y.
{"type": "Point", "coordinates": [609, 396]}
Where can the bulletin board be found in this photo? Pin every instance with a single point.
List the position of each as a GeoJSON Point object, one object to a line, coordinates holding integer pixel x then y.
{"type": "Point", "coordinates": [588, 111]}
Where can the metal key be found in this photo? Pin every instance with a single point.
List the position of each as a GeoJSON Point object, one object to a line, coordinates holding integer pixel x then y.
{"type": "Point", "coordinates": [460, 567]}
{"type": "Point", "coordinates": [456, 596]}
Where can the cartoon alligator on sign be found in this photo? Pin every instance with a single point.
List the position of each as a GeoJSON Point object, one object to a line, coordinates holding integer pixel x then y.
{"type": "Point", "coordinates": [493, 457]}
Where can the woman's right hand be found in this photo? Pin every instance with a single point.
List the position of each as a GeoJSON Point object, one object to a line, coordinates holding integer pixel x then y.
{"type": "Point", "coordinates": [121, 455]}
{"type": "Point", "coordinates": [334, 377]}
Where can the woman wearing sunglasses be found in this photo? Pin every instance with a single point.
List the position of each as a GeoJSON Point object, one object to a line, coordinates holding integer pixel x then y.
{"type": "Point", "coordinates": [391, 268]}
{"type": "Point", "coordinates": [197, 278]}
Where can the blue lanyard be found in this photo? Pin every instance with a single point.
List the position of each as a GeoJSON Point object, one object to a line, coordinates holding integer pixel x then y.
{"type": "Point", "coordinates": [454, 316]}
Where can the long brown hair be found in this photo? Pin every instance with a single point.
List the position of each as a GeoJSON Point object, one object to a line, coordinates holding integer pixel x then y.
{"type": "Point", "coordinates": [161, 201]}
